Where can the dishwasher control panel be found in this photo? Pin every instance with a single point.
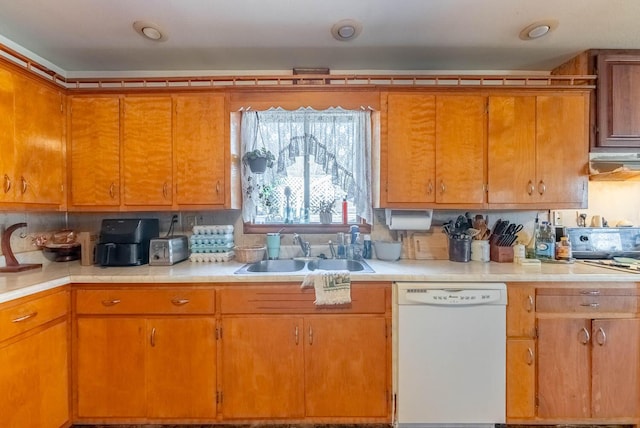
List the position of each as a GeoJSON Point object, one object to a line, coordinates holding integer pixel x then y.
{"type": "Point", "coordinates": [412, 294]}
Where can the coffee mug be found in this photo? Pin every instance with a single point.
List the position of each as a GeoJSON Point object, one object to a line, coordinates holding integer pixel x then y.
{"type": "Point", "coordinates": [596, 221]}
{"type": "Point", "coordinates": [273, 245]}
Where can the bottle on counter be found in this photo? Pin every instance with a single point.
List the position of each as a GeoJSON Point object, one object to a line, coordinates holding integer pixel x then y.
{"type": "Point", "coordinates": [545, 241]}
{"type": "Point", "coordinates": [345, 211]}
{"type": "Point", "coordinates": [366, 251]}
{"type": "Point", "coordinates": [563, 249]}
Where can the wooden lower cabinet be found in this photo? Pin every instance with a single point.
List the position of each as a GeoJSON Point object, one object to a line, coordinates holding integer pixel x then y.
{"type": "Point", "coordinates": [34, 367]}
{"type": "Point", "coordinates": [284, 358]}
{"type": "Point", "coordinates": [589, 368]}
{"type": "Point", "coordinates": [129, 367]}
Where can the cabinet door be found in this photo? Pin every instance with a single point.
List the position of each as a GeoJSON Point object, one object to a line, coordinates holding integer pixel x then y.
{"type": "Point", "coordinates": [564, 374]}
{"type": "Point", "coordinates": [410, 152]}
{"type": "Point", "coordinates": [181, 368]}
{"type": "Point", "coordinates": [521, 311]}
{"type": "Point", "coordinates": [616, 368]}
{"type": "Point", "coordinates": [512, 149]}
{"type": "Point", "coordinates": [339, 350]}
{"type": "Point", "coordinates": [262, 367]}
{"type": "Point", "coordinates": [618, 91]}
{"type": "Point", "coordinates": [461, 137]}
{"type": "Point", "coordinates": [39, 121]}
{"type": "Point", "coordinates": [521, 378]}
{"type": "Point", "coordinates": [200, 149]}
{"type": "Point", "coordinates": [147, 151]}
{"type": "Point", "coordinates": [562, 148]}
{"type": "Point", "coordinates": [7, 117]}
{"type": "Point", "coordinates": [94, 152]}
{"type": "Point", "coordinates": [35, 380]}
{"type": "Point", "coordinates": [111, 367]}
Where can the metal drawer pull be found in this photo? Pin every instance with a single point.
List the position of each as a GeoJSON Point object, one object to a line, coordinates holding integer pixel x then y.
{"type": "Point", "coordinates": [25, 185]}
{"type": "Point", "coordinates": [112, 302]}
{"type": "Point", "coordinates": [590, 292]}
{"type": "Point", "coordinates": [111, 190]}
{"type": "Point", "coordinates": [442, 188]}
{"type": "Point", "coordinates": [7, 183]}
{"type": "Point", "coordinates": [586, 337]}
{"type": "Point", "coordinates": [529, 303]}
{"type": "Point", "coordinates": [152, 339]}
{"type": "Point", "coordinates": [530, 188]}
{"type": "Point", "coordinates": [165, 190]}
{"type": "Point", "coordinates": [601, 337]}
{"type": "Point", "coordinates": [25, 317]}
{"type": "Point", "coordinates": [590, 305]}
{"type": "Point", "coordinates": [542, 187]}
{"type": "Point", "coordinates": [179, 302]}
{"type": "Point", "coordinates": [430, 187]}
{"type": "Point", "coordinates": [218, 186]}
{"type": "Point", "coordinates": [529, 356]}
{"type": "Point", "coordinates": [296, 334]}
{"type": "Point", "coordinates": [310, 336]}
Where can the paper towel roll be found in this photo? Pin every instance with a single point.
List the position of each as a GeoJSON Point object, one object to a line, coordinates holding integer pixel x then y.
{"type": "Point", "coordinates": [408, 219]}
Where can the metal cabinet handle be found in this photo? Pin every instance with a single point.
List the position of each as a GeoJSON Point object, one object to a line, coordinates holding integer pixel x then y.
{"type": "Point", "coordinates": [529, 303]}
{"type": "Point", "coordinates": [590, 292]}
{"type": "Point", "coordinates": [542, 187]}
{"type": "Point", "coordinates": [430, 187]}
{"type": "Point", "coordinates": [165, 192]}
{"type": "Point", "coordinates": [112, 190]}
{"type": "Point", "coordinates": [529, 356]}
{"type": "Point", "coordinates": [530, 188]}
{"type": "Point", "coordinates": [585, 336]}
{"type": "Point", "coordinates": [25, 185]}
{"type": "Point", "coordinates": [296, 335]}
{"type": "Point", "coordinates": [7, 183]}
{"type": "Point", "coordinates": [442, 187]}
{"type": "Point", "coordinates": [310, 335]}
{"type": "Point", "coordinates": [25, 317]}
{"type": "Point", "coordinates": [111, 302]}
{"type": "Point", "coordinates": [218, 187]}
{"type": "Point", "coordinates": [590, 305]}
{"type": "Point", "coordinates": [152, 338]}
{"type": "Point", "coordinates": [179, 302]}
{"type": "Point", "coordinates": [600, 336]}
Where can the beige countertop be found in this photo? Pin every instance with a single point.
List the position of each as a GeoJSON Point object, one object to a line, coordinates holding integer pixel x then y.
{"type": "Point", "coordinates": [51, 275]}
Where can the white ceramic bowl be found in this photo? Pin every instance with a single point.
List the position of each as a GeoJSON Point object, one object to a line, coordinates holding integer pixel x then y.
{"type": "Point", "coordinates": [387, 250]}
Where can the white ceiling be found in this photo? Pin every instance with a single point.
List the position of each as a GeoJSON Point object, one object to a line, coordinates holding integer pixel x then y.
{"type": "Point", "coordinates": [96, 37]}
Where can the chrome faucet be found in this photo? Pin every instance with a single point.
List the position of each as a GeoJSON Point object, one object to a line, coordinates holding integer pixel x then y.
{"type": "Point", "coordinates": [304, 245]}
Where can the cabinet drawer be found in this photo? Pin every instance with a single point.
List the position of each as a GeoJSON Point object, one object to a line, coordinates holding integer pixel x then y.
{"type": "Point", "coordinates": [292, 299]}
{"type": "Point", "coordinates": [169, 301]}
{"type": "Point", "coordinates": [18, 318]}
{"type": "Point", "coordinates": [587, 304]}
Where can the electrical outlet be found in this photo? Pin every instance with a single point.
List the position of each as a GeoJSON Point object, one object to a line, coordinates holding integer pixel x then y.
{"type": "Point", "coordinates": [190, 221]}
{"type": "Point", "coordinates": [556, 218]}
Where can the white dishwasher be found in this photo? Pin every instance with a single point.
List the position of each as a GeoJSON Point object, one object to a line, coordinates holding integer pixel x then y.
{"type": "Point", "coordinates": [451, 354]}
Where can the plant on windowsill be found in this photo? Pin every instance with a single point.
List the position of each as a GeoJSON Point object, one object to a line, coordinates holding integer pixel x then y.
{"type": "Point", "coordinates": [258, 160]}
{"type": "Point", "coordinates": [325, 209]}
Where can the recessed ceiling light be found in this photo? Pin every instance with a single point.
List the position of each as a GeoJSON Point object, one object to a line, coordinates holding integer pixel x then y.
{"type": "Point", "coordinates": [538, 29]}
{"type": "Point", "coordinates": [149, 31]}
{"type": "Point", "coordinates": [345, 30]}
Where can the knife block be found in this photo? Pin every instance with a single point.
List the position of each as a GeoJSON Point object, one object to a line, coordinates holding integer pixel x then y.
{"type": "Point", "coordinates": [501, 254]}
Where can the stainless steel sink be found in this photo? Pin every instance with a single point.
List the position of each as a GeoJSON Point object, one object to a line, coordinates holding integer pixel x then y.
{"type": "Point", "coordinates": [286, 265]}
{"type": "Point", "coordinates": [273, 266]}
{"type": "Point", "coordinates": [339, 264]}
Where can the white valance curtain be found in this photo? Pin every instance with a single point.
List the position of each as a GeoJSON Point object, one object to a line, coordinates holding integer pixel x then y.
{"type": "Point", "coordinates": [336, 139]}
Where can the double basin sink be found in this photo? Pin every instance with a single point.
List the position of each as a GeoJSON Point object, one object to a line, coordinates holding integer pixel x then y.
{"type": "Point", "coordinates": [298, 265]}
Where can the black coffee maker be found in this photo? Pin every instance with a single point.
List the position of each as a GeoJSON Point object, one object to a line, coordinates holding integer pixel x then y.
{"type": "Point", "coordinates": [125, 242]}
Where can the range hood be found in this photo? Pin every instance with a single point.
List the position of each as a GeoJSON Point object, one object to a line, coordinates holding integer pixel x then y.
{"type": "Point", "coordinates": [614, 166]}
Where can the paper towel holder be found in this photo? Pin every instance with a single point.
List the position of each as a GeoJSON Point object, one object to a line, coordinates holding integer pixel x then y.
{"type": "Point", "coordinates": [408, 219]}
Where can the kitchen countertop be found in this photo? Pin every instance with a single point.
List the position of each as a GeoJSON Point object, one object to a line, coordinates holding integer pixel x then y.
{"type": "Point", "coordinates": [52, 275]}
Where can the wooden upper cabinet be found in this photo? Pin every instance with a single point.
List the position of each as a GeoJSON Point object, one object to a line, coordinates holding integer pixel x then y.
{"type": "Point", "coordinates": [618, 113]}
{"type": "Point", "coordinates": [460, 149]}
{"type": "Point", "coordinates": [410, 148]}
{"type": "Point", "coordinates": [147, 151]}
{"type": "Point", "coordinates": [538, 150]}
{"type": "Point", "coordinates": [94, 152]}
{"type": "Point", "coordinates": [39, 128]}
{"type": "Point", "coordinates": [200, 149]}
{"type": "Point", "coordinates": [8, 157]}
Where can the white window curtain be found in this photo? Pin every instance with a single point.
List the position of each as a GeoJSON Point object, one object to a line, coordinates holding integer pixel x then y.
{"type": "Point", "coordinates": [338, 140]}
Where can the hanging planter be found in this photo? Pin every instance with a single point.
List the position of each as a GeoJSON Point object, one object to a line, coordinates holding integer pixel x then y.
{"type": "Point", "coordinates": [258, 160]}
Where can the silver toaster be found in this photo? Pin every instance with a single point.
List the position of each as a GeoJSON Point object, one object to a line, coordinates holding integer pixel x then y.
{"type": "Point", "coordinates": [168, 251]}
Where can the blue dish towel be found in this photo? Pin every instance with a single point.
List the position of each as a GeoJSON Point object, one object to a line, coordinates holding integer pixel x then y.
{"type": "Point", "coordinates": [331, 287]}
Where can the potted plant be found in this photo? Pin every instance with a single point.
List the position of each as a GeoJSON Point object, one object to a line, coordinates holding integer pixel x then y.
{"type": "Point", "coordinates": [258, 160]}
{"type": "Point", "coordinates": [325, 209]}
